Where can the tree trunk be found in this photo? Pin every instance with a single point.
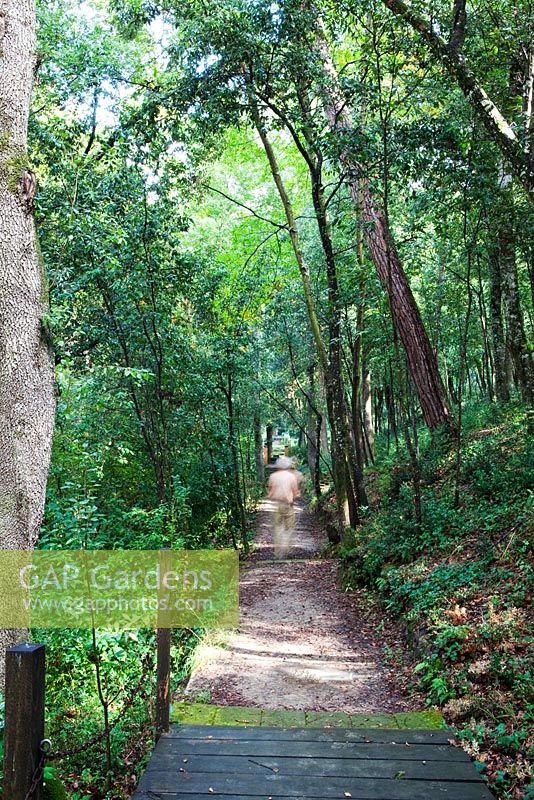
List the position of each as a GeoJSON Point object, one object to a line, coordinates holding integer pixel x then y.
{"type": "Point", "coordinates": [517, 342]}
{"type": "Point", "coordinates": [356, 410]}
{"type": "Point", "coordinates": [311, 422]}
{"type": "Point", "coordinates": [379, 409]}
{"type": "Point", "coordinates": [348, 446]}
{"type": "Point", "coordinates": [367, 404]}
{"type": "Point", "coordinates": [239, 506]}
{"type": "Point", "coordinates": [258, 449]}
{"type": "Point", "coordinates": [421, 358]}
{"type": "Point", "coordinates": [27, 398]}
{"type": "Point", "coordinates": [357, 361]}
{"type": "Point", "coordinates": [500, 377]}
{"type": "Point", "coordinates": [323, 439]}
{"type": "Point", "coordinates": [345, 509]}
{"type": "Point", "coordinates": [269, 440]}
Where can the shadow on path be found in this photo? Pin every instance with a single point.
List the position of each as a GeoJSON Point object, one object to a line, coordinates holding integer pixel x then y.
{"type": "Point", "coordinates": [302, 644]}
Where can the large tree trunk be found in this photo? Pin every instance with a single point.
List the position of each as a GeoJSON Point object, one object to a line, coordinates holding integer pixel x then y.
{"type": "Point", "coordinates": [421, 358]}
{"type": "Point", "coordinates": [27, 400]}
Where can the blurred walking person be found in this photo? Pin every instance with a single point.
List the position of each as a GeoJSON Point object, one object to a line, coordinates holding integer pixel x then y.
{"type": "Point", "coordinates": [284, 488]}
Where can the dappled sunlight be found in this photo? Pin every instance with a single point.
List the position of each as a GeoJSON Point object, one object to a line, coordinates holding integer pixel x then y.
{"type": "Point", "coordinates": [292, 649]}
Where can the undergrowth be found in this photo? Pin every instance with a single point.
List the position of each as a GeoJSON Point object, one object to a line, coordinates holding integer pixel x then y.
{"type": "Point", "coordinates": [463, 585]}
{"type": "Point", "coordinates": [74, 712]}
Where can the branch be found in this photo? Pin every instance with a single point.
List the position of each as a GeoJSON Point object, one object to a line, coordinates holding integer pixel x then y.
{"type": "Point", "coordinates": [295, 376]}
{"type": "Point", "coordinates": [92, 134]}
{"type": "Point", "coordinates": [247, 208]}
{"type": "Point", "coordinates": [294, 419]}
{"type": "Point", "coordinates": [290, 127]}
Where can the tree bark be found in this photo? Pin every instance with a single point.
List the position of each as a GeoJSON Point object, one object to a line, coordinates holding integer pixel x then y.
{"type": "Point", "coordinates": [421, 358]}
{"type": "Point", "coordinates": [27, 397]}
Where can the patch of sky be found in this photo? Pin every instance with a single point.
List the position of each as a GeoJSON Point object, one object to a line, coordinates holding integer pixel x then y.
{"type": "Point", "coordinates": [206, 62]}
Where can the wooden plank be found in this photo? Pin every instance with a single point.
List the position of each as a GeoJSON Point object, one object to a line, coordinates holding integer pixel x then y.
{"type": "Point", "coordinates": [141, 795]}
{"type": "Point", "coordinates": [386, 767]}
{"type": "Point", "coordinates": [311, 734]}
{"type": "Point", "coordinates": [310, 764]}
{"type": "Point", "coordinates": [338, 750]}
{"type": "Point", "coordinates": [24, 718]}
{"type": "Point", "coordinates": [289, 786]}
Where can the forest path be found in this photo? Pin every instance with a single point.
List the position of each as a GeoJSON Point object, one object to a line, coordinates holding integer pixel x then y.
{"type": "Point", "coordinates": [302, 643]}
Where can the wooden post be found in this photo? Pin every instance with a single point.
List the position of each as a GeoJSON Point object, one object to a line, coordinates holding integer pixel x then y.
{"type": "Point", "coordinates": [163, 681]}
{"type": "Point", "coordinates": [163, 667]}
{"type": "Point", "coordinates": [269, 442]}
{"type": "Point", "coordinates": [24, 718]}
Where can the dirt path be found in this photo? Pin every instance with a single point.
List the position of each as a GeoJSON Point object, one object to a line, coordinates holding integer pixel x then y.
{"type": "Point", "coordinates": [302, 644]}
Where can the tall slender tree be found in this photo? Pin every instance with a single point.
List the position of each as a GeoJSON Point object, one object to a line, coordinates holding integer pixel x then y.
{"type": "Point", "coordinates": [405, 312]}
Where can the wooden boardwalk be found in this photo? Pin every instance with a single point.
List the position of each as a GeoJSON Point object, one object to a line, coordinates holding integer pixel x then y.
{"type": "Point", "coordinates": [201, 761]}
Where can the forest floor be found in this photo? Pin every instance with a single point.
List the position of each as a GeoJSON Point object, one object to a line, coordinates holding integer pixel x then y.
{"type": "Point", "coordinates": [302, 643]}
